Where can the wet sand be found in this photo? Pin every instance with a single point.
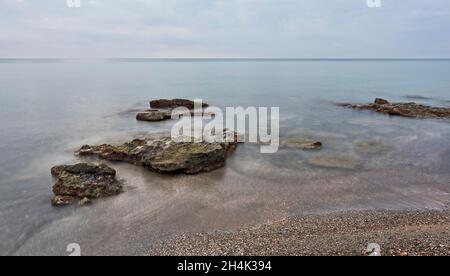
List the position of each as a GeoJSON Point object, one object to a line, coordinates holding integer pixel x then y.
{"type": "Point", "coordinates": [397, 234]}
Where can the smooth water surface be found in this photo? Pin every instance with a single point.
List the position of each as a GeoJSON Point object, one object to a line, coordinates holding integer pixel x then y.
{"type": "Point", "coordinates": [50, 108]}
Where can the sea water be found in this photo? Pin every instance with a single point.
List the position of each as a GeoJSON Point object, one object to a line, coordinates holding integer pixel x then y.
{"type": "Point", "coordinates": [49, 108]}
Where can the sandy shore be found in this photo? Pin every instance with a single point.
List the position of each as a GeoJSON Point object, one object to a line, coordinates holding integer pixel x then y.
{"type": "Point", "coordinates": [397, 233]}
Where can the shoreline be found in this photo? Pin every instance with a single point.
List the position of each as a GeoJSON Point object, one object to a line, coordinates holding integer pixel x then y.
{"type": "Point", "coordinates": [399, 233]}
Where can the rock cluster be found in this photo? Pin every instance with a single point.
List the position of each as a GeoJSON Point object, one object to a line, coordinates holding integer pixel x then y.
{"type": "Point", "coordinates": [411, 110]}
{"type": "Point", "coordinates": [83, 182]}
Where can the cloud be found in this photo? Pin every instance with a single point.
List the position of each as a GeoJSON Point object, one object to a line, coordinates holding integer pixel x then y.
{"type": "Point", "coordinates": [224, 28]}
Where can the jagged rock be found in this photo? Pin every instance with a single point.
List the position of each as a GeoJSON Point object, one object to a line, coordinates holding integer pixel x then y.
{"type": "Point", "coordinates": [411, 110]}
{"type": "Point", "coordinates": [299, 143]}
{"type": "Point", "coordinates": [83, 182]}
{"type": "Point", "coordinates": [337, 162]}
{"type": "Point", "coordinates": [162, 154]}
{"type": "Point", "coordinates": [170, 104]}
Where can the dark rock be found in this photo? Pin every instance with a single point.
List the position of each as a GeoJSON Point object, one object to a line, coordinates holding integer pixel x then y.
{"type": "Point", "coordinates": [411, 110]}
{"type": "Point", "coordinates": [162, 110]}
{"type": "Point", "coordinates": [163, 103]}
{"type": "Point", "coordinates": [164, 155]}
{"type": "Point", "coordinates": [83, 182]}
{"type": "Point", "coordinates": [379, 101]}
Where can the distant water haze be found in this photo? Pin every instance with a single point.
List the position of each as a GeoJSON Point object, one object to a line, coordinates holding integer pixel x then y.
{"type": "Point", "coordinates": [49, 108]}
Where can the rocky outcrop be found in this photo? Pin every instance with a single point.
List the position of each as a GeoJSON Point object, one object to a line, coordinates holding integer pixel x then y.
{"type": "Point", "coordinates": [83, 182]}
{"type": "Point", "coordinates": [164, 155]}
{"type": "Point", "coordinates": [411, 110]}
{"type": "Point", "coordinates": [162, 110]}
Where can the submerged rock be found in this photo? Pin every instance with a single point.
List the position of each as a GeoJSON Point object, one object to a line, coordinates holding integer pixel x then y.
{"type": "Point", "coordinates": [411, 110]}
{"type": "Point", "coordinates": [164, 155]}
{"type": "Point", "coordinates": [336, 162]}
{"type": "Point", "coordinates": [371, 147]}
{"type": "Point", "coordinates": [299, 143]}
{"type": "Point", "coordinates": [83, 182]}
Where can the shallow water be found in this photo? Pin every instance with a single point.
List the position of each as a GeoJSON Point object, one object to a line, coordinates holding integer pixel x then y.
{"type": "Point", "coordinates": [49, 109]}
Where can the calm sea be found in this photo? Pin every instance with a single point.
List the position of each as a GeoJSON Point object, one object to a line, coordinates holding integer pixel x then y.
{"type": "Point", "coordinates": [48, 108]}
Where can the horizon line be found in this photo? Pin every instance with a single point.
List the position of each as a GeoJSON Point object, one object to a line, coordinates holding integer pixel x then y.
{"type": "Point", "coordinates": [226, 59]}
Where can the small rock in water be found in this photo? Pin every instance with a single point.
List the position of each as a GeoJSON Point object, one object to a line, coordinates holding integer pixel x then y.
{"type": "Point", "coordinates": [164, 155]}
{"type": "Point", "coordinates": [154, 115]}
{"type": "Point", "coordinates": [337, 162]}
{"type": "Point", "coordinates": [299, 143]}
{"type": "Point", "coordinates": [411, 110]}
{"type": "Point", "coordinates": [162, 110]}
{"type": "Point", "coordinates": [83, 182]}
{"type": "Point", "coordinates": [170, 104]}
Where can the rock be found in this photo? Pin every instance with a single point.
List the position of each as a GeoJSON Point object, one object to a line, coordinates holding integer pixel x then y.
{"type": "Point", "coordinates": [379, 101]}
{"type": "Point", "coordinates": [154, 115]}
{"type": "Point", "coordinates": [337, 162]}
{"type": "Point", "coordinates": [164, 155]}
{"type": "Point", "coordinates": [411, 110]}
{"type": "Point", "coordinates": [129, 152]}
{"type": "Point", "coordinates": [162, 110]}
{"type": "Point", "coordinates": [83, 182]}
{"type": "Point", "coordinates": [170, 104]}
{"type": "Point", "coordinates": [299, 143]}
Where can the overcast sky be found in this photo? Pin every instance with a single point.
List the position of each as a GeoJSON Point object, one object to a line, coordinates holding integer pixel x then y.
{"type": "Point", "coordinates": [224, 28]}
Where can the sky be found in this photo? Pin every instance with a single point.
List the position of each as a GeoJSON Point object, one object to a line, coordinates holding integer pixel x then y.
{"type": "Point", "coordinates": [224, 29]}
